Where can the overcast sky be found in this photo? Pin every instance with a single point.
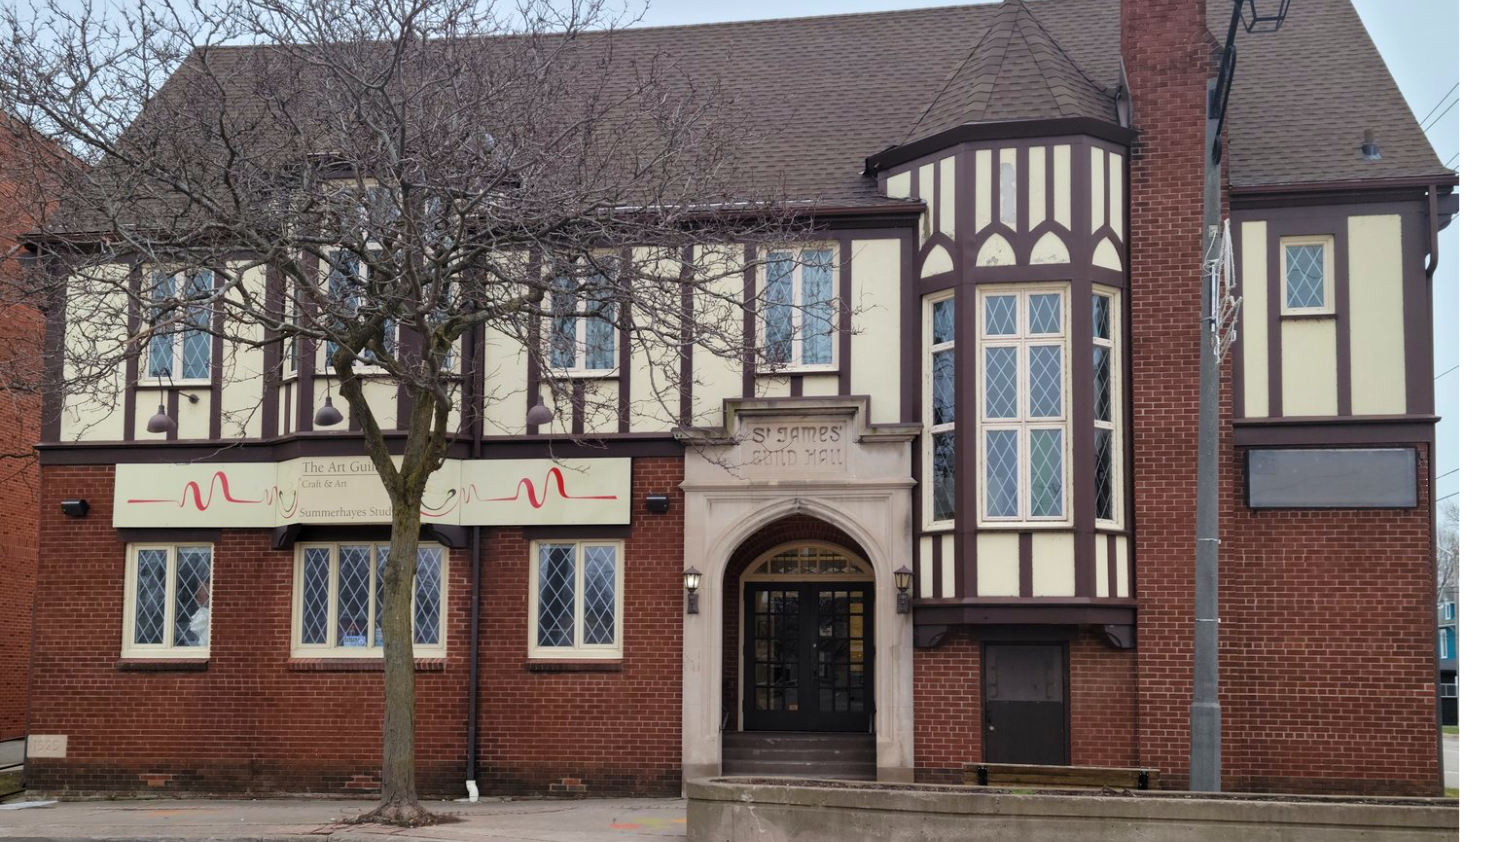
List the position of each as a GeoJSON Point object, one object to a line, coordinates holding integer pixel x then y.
{"type": "Point", "coordinates": [1405, 38]}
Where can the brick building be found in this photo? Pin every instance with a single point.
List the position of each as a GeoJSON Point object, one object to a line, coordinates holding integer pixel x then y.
{"type": "Point", "coordinates": [1009, 415]}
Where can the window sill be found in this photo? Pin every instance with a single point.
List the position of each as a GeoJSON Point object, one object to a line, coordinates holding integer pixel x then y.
{"type": "Point", "coordinates": [797, 370]}
{"type": "Point", "coordinates": [587, 374]}
{"type": "Point", "coordinates": [580, 665]}
{"type": "Point", "coordinates": [358, 664]}
{"type": "Point", "coordinates": [1296, 315]}
{"type": "Point", "coordinates": [162, 665]}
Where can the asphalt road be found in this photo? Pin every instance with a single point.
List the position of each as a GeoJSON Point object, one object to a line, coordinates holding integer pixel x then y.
{"type": "Point", "coordinates": [1450, 761]}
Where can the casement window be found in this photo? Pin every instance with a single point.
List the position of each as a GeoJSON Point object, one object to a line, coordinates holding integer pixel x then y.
{"type": "Point", "coordinates": [800, 305]}
{"type": "Point", "coordinates": [1023, 405]}
{"type": "Point", "coordinates": [180, 348]}
{"type": "Point", "coordinates": [584, 341]}
{"type": "Point", "coordinates": [575, 599]}
{"type": "Point", "coordinates": [339, 595]}
{"type": "Point", "coordinates": [348, 278]}
{"type": "Point", "coordinates": [1448, 612]}
{"type": "Point", "coordinates": [168, 589]}
{"type": "Point", "coordinates": [1108, 459]}
{"type": "Point", "coordinates": [938, 383]}
{"type": "Point", "coordinates": [1307, 276]}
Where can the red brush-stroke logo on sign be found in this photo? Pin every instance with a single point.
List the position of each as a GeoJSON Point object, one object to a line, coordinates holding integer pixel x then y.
{"type": "Point", "coordinates": [554, 476]}
{"type": "Point", "coordinates": [218, 481]}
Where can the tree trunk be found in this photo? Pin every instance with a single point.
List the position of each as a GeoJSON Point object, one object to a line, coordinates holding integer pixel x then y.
{"type": "Point", "coordinates": [398, 779]}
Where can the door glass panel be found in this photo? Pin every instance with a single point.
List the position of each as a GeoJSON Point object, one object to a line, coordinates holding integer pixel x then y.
{"type": "Point", "coordinates": [840, 675]}
{"type": "Point", "coordinates": [776, 650]}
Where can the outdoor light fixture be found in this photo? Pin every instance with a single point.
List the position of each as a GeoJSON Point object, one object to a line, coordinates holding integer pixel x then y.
{"type": "Point", "coordinates": [690, 579]}
{"type": "Point", "coordinates": [903, 590]}
{"type": "Point", "coordinates": [75, 508]}
{"type": "Point", "coordinates": [656, 504]}
{"type": "Point", "coordinates": [328, 414]}
{"type": "Point", "coordinates": [161, 422]}
{"type": "Point", "coordinates": [1271, 20]}
{"type": "Point", "coordinates": [539, 415]}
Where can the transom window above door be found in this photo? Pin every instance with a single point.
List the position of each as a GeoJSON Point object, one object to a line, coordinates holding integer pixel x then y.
{"type": "Point", "coordinates": [809, 561]}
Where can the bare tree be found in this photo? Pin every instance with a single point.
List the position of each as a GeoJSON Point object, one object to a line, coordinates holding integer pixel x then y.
{"type": "Point", "coordinates": [1447, 550]}
{"type": "Point", "coordinates": [365, 186]}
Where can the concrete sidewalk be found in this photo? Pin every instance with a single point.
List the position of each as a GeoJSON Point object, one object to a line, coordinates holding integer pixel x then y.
{"type": "Point", "coordinates": [297, 820]}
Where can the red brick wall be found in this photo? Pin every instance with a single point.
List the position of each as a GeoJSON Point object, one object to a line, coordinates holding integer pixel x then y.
{"type": "Point", "coordinates": [947, 700]}
{"type": "Point", "coordinates": [1327, 650]}
{"type": "Point", "coordinates": [252, 723]}
{"type": "Point", "coordinates": [1327, 634]}
{"type": "Point", "coordinates": [1102, 695]}
{"type": "Point", "coordinates": [20, 428]}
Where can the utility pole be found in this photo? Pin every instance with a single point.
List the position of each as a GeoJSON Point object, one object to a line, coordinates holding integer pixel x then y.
{"type": "Point", "coordinates": [1205, 754]}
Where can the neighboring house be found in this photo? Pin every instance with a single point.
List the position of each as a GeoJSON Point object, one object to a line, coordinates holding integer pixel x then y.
{"type": "Point", "coordinates": [20, 422]}
{"type": "Point", "coordinates": [1010, 415]}
{"type": "Point", "coordinates": [1448, 654]}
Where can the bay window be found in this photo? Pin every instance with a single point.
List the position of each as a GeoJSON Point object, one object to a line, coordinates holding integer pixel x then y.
{"type": "Point", "coordinates": [339, 594]}
{"type": "Point", "coordinates": [1023, 405]}
{"type": "Point", "coordinates": [800, 307]}
{"type": "Point", "coordinates": [1108, 462]}
{"type": "Point", "coordinates": [939, 444]}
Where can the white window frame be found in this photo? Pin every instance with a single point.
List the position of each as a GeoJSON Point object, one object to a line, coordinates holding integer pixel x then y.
{"type": "Point", "coordinates": [330, 648]}
{"type": "Point", "coordinates": [166, 649]}
{"type": "Point", "coordinates": [581, 319]}
{"type": "Point", "coordinates": [1330, 306]}
{"type": "Point", "coordinates": [794, 364]}
{"type": "Point", "coordinates": [579, 650]}
{"type": "Point", "coordinates": [1024, 423]}
{"type": "Point", "coordinates": [1443, 643]}
{"type": "Point", "coordinates": [1116, 423]}
{"type": "Point", "coordinates": [178, 337]}
{"type": "Point", "coordinates": [930, 429]}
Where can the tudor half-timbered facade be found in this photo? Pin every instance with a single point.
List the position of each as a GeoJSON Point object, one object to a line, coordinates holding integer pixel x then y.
{"type": "Point", "coordinates": [943, 516]}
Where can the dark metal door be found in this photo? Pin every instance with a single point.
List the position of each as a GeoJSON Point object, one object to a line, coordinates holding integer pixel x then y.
{"type": "Point", "coordinates": [1025, 704]}
{"type": "Point", "coordinates": [808, 654]}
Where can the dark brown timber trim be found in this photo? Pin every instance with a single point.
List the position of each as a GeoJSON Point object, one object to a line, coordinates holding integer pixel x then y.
{"type": "Point", "coordinates": [747, 356]}
{"type": "Point", "coordinates": [52, 343]}
{"type": "Point", "coordinates": [1008, 130]}
{"type": "Point", "coordinates": [133, 352]}
{"type": "Point", "coordinates": [685, 373]}
{"type": "Point", "coordinates": [216, 367]}
{"type": "Point", "coordinates": [937, 564]}
{"type": "Point", "coordinates": [846, 314]}
{"type": "Point", "coordinates": [622, 356]}
{"type": "Point", "coordinates": [1034, 611]}
{"type": "Point", "coordinates": [1112, 559]}
{"type": "Point", "coordinates": [1365, 429]}
{"type": "Point", "coordinates": [271, 363]}
{"type": "Point", "coordinates": [1024, 542]}
{"type": "Point", "coordinates": [311, 354]}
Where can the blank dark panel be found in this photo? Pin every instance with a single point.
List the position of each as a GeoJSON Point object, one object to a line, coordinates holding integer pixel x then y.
{"type": "Point", "coordinates": [1384, 478]}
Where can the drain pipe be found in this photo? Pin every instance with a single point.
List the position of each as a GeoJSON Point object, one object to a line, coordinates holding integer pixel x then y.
{"type": "Point", "coordinates": [476, 450]}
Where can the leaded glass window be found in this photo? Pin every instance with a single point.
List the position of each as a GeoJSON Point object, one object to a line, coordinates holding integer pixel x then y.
{"type": "Point", "coordinates": [181, 346]}
{"type": "Point", "coordinates": [168, 591]}
{"type": "Point", "coordinates": [1107, 460]}
{"type": "Point", "coordinates": [348, 283]}
{"type": "Point", "coordinates": [941, 439]}
{"type": "Point", "coordinates": [1306, 268]}
{"type": "Point", "coordinates": [800, 309]}
{"type": "Point", "coordinates": [340, 592]}
{"type": "Point", "coordinates": [575, 599]}
{"type": "Point", "coordinates": [1023, 411]}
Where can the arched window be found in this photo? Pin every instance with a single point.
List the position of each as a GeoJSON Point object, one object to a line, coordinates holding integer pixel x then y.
{"type": "Point", "coordinates": [809, 561]}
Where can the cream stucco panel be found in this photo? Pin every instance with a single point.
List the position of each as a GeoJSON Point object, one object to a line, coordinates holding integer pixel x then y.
{"type": "Point", "coordinates": [950, 565]}
{"type": "Point", "coordinates": [1122, 566]}
{"type": "Point", "coordinates": [1252, 252]}
{"type": "Point", "coordinates": [1117, 193]}
{"type": "Point", "coordinates": [1096, 189]}
{"type": "Point", "coordinates": [983, 186]}
{"type": "Point", "coordinates": [925, 175]}
{"type": "Point", "coordinates": [716, 377]}
{"type": "Point", "coordinates": [1377, 330]}
{"type": "Point", "coordinates": [1309, 368]}
{"type": "Point", "coordinates": [1036, 181]}
{"type": "Point", "coordinates": [947, 200]}
{"type": "Point", "coordinates": [924, 566]}
{"type": "Point", "coordinates": [1062, 185]}
{"type": "Point", "coordinates": [1052, 564]}
{"type": "Point", "coordinates": [96, 309]}
{"type": "Point", "coordinates": [1106, 255]}
{"type": "Point", "coordinates": [938, 261]}
{"type": "Point", "coordinates": [875, 360]}
{"type": "Point", "coordinates": [1049, 249]}
{"type": "Point", "coordinates": [999, 564]}
{"type": "Point", "coordinates": [996, 251]}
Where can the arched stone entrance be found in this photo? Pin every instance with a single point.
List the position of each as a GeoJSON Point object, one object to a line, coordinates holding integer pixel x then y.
{"type": "Point", "coordinates": [737, 508]}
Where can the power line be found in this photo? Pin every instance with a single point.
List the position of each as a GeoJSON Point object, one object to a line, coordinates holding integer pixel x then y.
{"type": "Point", "coordinates": [1449, 164]}
{"type": "Point", "coordinates": [1446, 496]}
{"type": "Point", "coordinates": [1439, 102]}
{"type": "Point", "coordinates": [1435, 120]}
{"type": "Point", "coordinates": [1449, 371]}
{"type": "Point", "coordinates": [1450, 473]}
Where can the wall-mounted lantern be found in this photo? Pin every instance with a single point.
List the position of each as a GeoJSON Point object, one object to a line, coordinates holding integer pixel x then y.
{"type": "Point", "coordinates": [690, 580]}
{"type": "Point", "coordinates": [327, 414]}
{"type": "Point", "coordinates": [903, 590]}
{"type": "Point", "coordinates": [657, 504]}
{"type": "Point", "coordinates": [539, 415]}
{"type": "Point", "coordinates": [161, 422]}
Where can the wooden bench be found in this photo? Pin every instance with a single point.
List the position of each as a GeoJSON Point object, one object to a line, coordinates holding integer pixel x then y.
{"type": "Point", "coordinates": [1019, 774]}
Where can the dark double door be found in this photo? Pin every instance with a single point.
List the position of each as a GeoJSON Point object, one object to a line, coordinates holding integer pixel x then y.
{"type": "Point", "coordinates": [1025, 703]}
{"type": "Point", "coordinates": [809, 649]}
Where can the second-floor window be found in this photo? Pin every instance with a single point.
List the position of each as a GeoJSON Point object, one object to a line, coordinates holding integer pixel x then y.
{"type": "Point", "coordinates": [584, 340]}
{"type": "Point", "coordinates": [180, 347]}
{"type": "Point", "coordinates": [797, 329]}
{"type": "Point", "coordinates": [1023, 405]}
{"type": "Point", "coordinates": [1108, 463]}
{"type": "Point", "coordinates": [939, 446]}
{"type": "Point", "coordinates": [1306, 276]}
{"type": "Point", "coordinates": [348, 280]}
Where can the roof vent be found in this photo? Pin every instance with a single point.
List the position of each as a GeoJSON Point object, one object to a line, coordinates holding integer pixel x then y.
{"type": "Point", "coordinates": [1370, 150]}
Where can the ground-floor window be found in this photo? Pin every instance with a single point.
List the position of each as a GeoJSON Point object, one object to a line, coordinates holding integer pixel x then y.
{"type": "Point", "coordinates": [574, 599]}
{"type": "Point", "coordinates": [167, 590]}
{"type": "Point", "coordinates": [339, 595]}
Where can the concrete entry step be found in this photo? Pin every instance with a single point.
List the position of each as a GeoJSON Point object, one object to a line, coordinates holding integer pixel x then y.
{"type": "Point", "coordinates": [800, 754]}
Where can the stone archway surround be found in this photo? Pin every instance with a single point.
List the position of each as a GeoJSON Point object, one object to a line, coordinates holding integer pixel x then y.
{"type": "Point", "coordinates": [869, 498]}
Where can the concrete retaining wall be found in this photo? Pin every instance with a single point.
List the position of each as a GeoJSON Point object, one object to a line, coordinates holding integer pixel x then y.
{"type": "Point", "coordinates": [726, 810]}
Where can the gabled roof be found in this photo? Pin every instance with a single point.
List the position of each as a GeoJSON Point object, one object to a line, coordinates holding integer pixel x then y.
{"type": "Point", "coordinates": [1016, 71]}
